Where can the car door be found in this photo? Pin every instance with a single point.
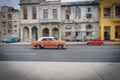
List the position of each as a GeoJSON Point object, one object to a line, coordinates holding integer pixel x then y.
{"type": "Point", "coordinates": [100, 42]}
{"type": "Point", "coordinates": [93, 42]}
{"type": "Point", "coordinates": [51, 42]}
{"type": "Point", "coordinates": [45, 42]}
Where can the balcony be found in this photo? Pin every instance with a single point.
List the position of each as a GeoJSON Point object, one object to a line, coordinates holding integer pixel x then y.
{"type": "Point", "coordinates": [89, 30]}
{"type": "Point", "coordinates": [116, 19]}
{"type": "Point", "coordinates": [68, 21]}
{"type": "Point", "coordinates": [49, 20]}
{"type": "Point", "coordinates": [4, 22]}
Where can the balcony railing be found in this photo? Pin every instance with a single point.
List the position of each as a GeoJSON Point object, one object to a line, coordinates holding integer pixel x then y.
{"type": "Point", "coordinates": [89, 30]}
{"type": "Point", "coordinates": [68, 21]}
{"type": "Point", "coordinates": [116, 19]}
{"type": "Point", "coordinates": [49, 20]}
{"type": "Point", "coordinates": [107, 17]}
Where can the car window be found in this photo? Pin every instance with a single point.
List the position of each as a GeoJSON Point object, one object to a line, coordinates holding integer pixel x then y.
{"type": "Point", "coordinates": [14, 38]}
{"type": "Point", "coordinates": [45, 39]}
{"type": "Point", "coordinates": [50, 39]}
{"type": "Point", "coordinates": [94, 40]}
{"type": "Point", "coordinates": [54, 39]}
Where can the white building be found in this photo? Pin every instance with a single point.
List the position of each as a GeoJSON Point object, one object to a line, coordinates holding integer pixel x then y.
{"type": "Point", "coordinates": [39, 18]}
{"type": "Point", "coordinates": [69, 21]}
{"type": "Point", "coordinates": [16, 24]}
{"type": "Point", "coordinates": [80, 20]}
{"type": "Point", "coordinates": [3, 21]}
{"type": "Point", "coordinates": [9, 17]}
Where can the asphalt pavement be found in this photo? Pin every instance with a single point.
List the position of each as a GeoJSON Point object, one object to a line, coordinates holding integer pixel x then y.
{"type": "Point", "coordinates": [74, 53]}
{"type": "Point", "coordinates": [77, 62]}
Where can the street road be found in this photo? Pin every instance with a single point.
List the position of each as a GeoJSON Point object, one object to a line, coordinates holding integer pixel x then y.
{"type": "Point", "coordinates": [74, 53]}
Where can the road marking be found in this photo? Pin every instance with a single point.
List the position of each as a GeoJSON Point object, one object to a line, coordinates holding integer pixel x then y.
{"type": "Point", "coordinates": [25, 54]}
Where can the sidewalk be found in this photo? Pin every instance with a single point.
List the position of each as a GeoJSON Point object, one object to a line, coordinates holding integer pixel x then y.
{"type": "Point", "coordinates": [68, 43]}
{"type": "Point", "coordinates": [59, 71]}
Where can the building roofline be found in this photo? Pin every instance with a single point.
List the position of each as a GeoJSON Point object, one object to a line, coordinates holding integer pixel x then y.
{"type": "Point", "coordinates": [28, 3]}
{"type": "Point", "coordinates": [80, 3]}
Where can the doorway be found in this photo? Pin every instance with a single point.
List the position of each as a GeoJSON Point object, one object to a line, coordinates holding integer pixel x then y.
{"type": "Point", "coordinates": [107, 33]}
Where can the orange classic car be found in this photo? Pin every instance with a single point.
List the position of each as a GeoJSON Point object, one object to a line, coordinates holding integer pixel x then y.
{"type": "Point", "coordinates": [48, 42]}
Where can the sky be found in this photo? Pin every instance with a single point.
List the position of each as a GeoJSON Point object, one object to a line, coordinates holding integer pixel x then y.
{"type": "Point", "coordinates": [14, 3]}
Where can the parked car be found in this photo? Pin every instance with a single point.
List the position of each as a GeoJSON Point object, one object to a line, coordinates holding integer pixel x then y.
{"type": "Point", "coordinates": [16, 39]}
{"type": "Point", "coordinates": [95, 42]}
{"type": "Point", "coordinates": [11, 40]}
{"type": "Point", "coordinates": [4, 39]}
{"type": "Point", "coordinates": [1, 39]}
{"type": "Point", "coordinates": [48, 42]}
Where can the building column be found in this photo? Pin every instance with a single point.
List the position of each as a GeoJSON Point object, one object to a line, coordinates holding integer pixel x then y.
{"type": "Point", "coordinates": [50, 32]}
{"type": "Point", "coordinates": [99, 33]}
{"type": "Point", "coordinates": [38, 30]}
{"type": "Point", "coordinates": [112, 33]}
{"type": "Point", "coordinates": [30, 34]}
{"type": "Point", "coordinates": [60, 32]}
{"type": "Point", "coordinates": [102, 32]}
{"type": "Point", "coordinates": [21, 33]}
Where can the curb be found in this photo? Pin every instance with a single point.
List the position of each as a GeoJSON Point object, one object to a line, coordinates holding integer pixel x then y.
{"type": "Point", "coordinates": [68, 43]}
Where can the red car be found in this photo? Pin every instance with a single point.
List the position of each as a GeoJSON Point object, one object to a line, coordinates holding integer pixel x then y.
{"type": "Point", "coordinates": [95, 42]}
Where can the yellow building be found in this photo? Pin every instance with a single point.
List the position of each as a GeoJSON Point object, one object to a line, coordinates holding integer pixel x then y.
{"type": "Point", "coordinates": [109, 26]}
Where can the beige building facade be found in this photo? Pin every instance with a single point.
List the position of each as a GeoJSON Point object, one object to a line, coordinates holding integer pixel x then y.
{"type": "Point", "coordinates": [68, 21]}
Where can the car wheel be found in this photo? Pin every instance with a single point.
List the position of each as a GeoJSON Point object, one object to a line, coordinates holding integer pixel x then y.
{"type": "Point", "coordinates": [38, 46]}
{"type": "Point", "coordinates": [60, 47]}
{"type": "Point", "coordinates": [89, 44]}
{"type": "Point", "coordinates": [100, 44]}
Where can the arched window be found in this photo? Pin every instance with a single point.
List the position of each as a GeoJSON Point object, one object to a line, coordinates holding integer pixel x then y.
{"type": "Point", "coordinates": [34, 12]}
{"type": "Point", "coordinates": [77, 12]}
{"type": "Point", "coordinates": [25, 13]}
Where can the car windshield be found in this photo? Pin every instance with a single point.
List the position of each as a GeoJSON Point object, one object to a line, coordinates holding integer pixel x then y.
{"type": "Point", "coordinates": [47, 39]}
{"type": "Point", "coordinates": [40, 39]}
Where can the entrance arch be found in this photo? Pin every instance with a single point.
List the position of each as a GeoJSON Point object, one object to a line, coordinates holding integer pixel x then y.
{"type": "Point", "coordinates": [34, 33]}
{"type": "Point", "coordinates": [26, 33]}
{"type": "Point", "coordinates": [45, 32]}
{"type": "Point", "coordinates": [55, 33]}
